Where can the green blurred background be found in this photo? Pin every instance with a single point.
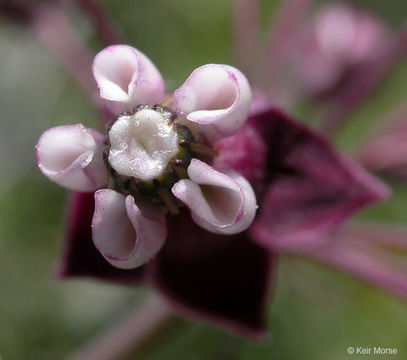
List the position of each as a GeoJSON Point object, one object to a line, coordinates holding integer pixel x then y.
{"type": "Point", "coordinates": [316, 313]}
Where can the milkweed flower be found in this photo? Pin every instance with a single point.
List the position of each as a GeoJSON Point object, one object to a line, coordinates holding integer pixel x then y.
{"type": "Point", "coordinates": [191, 191]}
{"type": "Point", "coordinates": [152, 158]}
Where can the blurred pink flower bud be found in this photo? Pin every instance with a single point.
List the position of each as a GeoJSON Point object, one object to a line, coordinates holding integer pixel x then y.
{"type": "Point", "coordinates": [340, 37]}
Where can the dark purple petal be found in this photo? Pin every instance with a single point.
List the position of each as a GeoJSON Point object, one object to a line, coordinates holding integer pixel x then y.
{"type": "Point", "coordinates": [312, 188]}
{"type": "Point", "coordinates": [80, 257]}
{"type": "Point", "coordinates": [224, 279]}
{"type": "Point", "coordinates": [21, 11]}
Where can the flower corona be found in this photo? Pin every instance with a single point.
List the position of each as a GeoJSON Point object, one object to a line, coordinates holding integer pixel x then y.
{"type": "Point", "coordinates": [157, 155]}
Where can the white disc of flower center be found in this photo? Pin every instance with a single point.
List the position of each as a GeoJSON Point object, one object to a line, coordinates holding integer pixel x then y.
{"type": "Point", "coordinates": [142, 144]}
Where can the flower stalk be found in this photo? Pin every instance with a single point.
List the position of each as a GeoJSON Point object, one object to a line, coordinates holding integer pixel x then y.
{"type": "Point", "coordinates": [284, 33]}
{"type": "Point", "coordinates": [385, 150]}
{"type": "Point", "coordinates": [103, 25]}
{"type": "Point", "coordinates": [360, 258]}
{"type": "Point", "coordinates": [129, 335]}
{"type": "Point", "coordinates": [388, 236]}
{"type": "Point", "coordinates": [53, 30]}
{"type": "Point", "coordinates": [246, 14]}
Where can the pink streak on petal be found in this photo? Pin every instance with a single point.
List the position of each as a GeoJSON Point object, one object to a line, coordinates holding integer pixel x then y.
{"type": "Point", "coordinates": [126, 78]}
{"type": "Point", "coordinates": [124, 234]}
{"type": "Point", "coordinates": [216, 98]}
{"type": "Point", "coordinates": [71, 156]}
{"type": "Point", "coordinates": [220, 201]}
